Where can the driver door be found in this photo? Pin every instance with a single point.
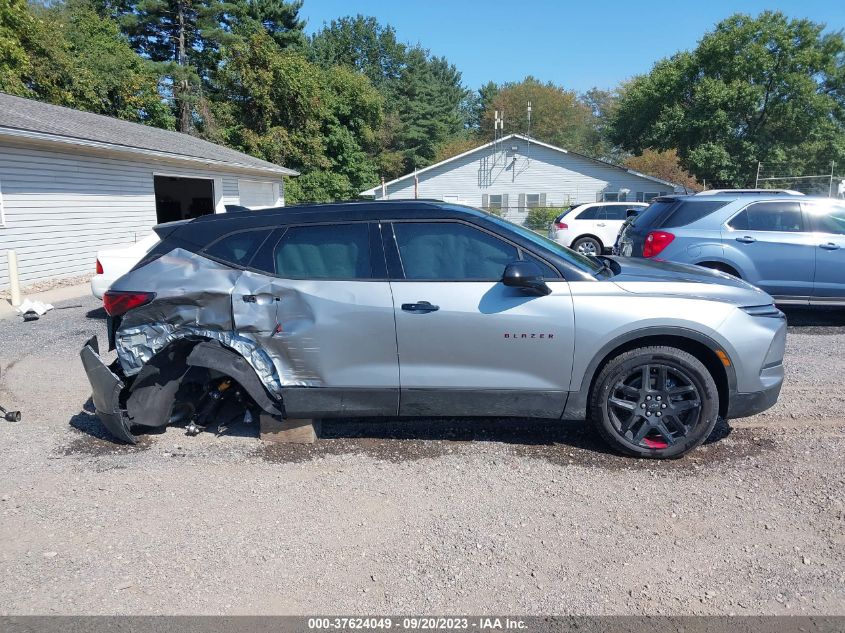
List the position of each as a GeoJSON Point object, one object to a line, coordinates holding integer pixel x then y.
{"type": "Point", "coordinates": [469, 345]}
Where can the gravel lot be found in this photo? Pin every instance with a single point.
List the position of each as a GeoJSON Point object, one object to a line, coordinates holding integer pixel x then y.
{"type": "Point", "coordinates": [427, 517]}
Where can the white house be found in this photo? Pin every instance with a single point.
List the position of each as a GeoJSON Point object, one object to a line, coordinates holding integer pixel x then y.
{"type": "Point", "coordinates": [517, 173]}
{"type": "Point", "coordinates": [72, 183]}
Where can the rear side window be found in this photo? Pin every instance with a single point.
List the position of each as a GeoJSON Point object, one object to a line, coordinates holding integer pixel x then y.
{"type": "Point", "coordinates": [451, 251]}
{"type": "Point", "coordinates": [671, 213]}
{"type": "Point", "coordinates": [236, 248]}
{"type": "Point", "coordinates": [780, 217]}
{"type": "Point", "coordinates": [336, 251]}
{"type": "Point", "coordinates": [829, 219]}
{"type": "Point", "coordinates": [689, 211]}
{"type": "Point", "coordinates": [589, 214]}
{"type": "Point", "coordinates": [615, 212]}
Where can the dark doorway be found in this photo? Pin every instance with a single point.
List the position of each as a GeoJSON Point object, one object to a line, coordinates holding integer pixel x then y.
{"type": "Point", "coordinates": [182, 198]}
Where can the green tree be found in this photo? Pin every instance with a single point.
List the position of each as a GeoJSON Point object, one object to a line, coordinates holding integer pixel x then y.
{"type": "Point", "coordinates": [185, 36]}
{"type": "Point", "coordinates": [69, 55]}
{"type": "Point", "coordinates": [17, 27]}
{"type": "Point", "coordinates": [275, 104]}
{"type": "Point", "coordinates": [428, 96]}
{"type": "Point", "coordinates": [425, 102]}
{"type": "Point", "coordinates": [762, 88]}
{"type": "Point", "coordinates": [363, 44]}
{"type": "Point", "coordinates": [557, 115]}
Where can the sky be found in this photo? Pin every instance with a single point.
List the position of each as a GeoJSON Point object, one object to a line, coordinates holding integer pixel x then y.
{"type": "Point", "coordinates": [577, 45]}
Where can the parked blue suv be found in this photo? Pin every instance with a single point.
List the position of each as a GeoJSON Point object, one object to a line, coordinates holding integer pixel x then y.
{"type": "Point", "coordinates": [792, 247]}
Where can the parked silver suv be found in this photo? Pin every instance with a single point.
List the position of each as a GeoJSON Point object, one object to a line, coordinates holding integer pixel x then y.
{"type": "Point", "coordinates": [418, 308]}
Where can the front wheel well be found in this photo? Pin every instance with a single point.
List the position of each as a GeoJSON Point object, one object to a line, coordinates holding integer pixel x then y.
{"type": "Point", "coordinates": [702, 352]}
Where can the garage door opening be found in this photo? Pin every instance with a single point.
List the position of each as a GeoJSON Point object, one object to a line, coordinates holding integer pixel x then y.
{"type": "Point", "coordinates": [182, 198]}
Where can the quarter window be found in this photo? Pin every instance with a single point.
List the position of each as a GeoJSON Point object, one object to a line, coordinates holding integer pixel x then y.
{"type": "Point", "coordinates": [451, 251]}
{"type": "Point", "coordinates": [781, 217]}
{"type": "Point", "coordinates": [336, 251]}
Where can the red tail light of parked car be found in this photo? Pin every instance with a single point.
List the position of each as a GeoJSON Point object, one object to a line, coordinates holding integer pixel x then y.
{"type": "Point", "coordinates": [99, 268]}
{"type": "Point", "coordinates": [655, 242]}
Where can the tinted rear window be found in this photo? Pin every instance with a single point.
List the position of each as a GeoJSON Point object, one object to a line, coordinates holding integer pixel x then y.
{"type": "Point", "coordinates": [336, 251]}
{"type": "Point", "coordinates": [675, 213]}
{"type": "Point", "coordinates": [237, 248]}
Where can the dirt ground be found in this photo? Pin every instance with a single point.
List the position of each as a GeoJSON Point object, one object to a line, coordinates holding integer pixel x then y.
{"type": "Point", "coordinates": [503, 516]}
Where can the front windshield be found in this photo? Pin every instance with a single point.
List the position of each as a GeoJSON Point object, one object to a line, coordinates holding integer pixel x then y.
{"type": "Point", "coordinates": [589, 264]}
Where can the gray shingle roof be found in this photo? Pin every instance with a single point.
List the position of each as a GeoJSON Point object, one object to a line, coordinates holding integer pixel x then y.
{"type": "Point", "coordinates": [27, 116]}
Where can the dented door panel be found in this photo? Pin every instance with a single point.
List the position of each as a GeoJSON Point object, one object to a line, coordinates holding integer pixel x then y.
{"type": "Point", "coordinates": [321, 333]}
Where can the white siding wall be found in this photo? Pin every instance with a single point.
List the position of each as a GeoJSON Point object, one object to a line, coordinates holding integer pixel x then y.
{"type": "Point", "coordinates": [563, 178]}
{"type": "Point", "coordinates": [61, 208]}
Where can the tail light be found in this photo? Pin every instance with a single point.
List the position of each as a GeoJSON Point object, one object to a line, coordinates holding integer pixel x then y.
{"type": "Point", "coordinates": [99, 268]}
{"type": "Point", "coordinates": [117, 302]}
{"type": "Point", "coordinates": [561, 225]}
{"type": "Point", "coordinates": [655, 242]}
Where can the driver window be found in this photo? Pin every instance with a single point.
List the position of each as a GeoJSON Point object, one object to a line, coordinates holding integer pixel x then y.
{"type": "Point", "coordinates": [451, 251]}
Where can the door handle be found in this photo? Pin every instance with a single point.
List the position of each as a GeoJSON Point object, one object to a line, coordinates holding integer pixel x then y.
{"type": "Point", "coordinates": [601, 224]}
{"type": "Point", "coordinates": [829, 246]}
{"type": "Point", "coordinates": [746, 239]}
{"type": "Point", "coordinates": [249, 298]}
{"type": "Point", "coordinates": [420, 307]}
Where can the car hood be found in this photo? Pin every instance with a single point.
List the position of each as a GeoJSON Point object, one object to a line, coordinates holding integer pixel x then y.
{"type": "Point", "coordinates": [646, 276]}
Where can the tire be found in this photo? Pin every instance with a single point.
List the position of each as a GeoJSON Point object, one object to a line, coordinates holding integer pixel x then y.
{"type": "Point", "coordinates": [588, 246]}
{"type": "Point", "coordinates": [674, 424]}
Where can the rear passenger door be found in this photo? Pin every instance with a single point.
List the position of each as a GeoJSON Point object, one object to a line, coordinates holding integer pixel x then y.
{"type": "Point", "coordinates": [317, 298]}
{"type": "Point", "coordinates": [828, 224]}
{"type": "Point", "coordinates": [468, 345]}
{"type": "Point", "coordinates": [777, 248]}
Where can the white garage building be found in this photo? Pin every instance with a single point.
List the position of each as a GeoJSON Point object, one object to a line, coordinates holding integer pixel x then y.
{"type": "Point", "coordinates": [72, 183]}
{"type": "Point", "coordinates": [516, 173]}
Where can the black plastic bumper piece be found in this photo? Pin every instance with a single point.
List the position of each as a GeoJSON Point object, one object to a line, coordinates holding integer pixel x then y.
{"type": "Point", "coordinates": [105, 392]}
{"type": "Point", "coordinates": [742, 405]}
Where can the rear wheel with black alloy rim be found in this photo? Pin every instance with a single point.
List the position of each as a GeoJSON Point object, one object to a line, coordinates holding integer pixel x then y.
{"type": "Point", "coordinates": [657, 402]}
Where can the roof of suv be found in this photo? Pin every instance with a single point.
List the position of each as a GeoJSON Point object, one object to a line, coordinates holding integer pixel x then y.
{"type": "Point", "coordinates": [344, 211]}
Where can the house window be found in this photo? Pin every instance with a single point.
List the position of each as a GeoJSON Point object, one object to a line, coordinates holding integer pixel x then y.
{"type": "Point", "coordinates": [610, 197]}
{"type": "Point", "coordinates": [494, 201]}
{"type": "Point", "coordinates": [532, 200]}
{"type": "Point", "coordinates": [647, 196]}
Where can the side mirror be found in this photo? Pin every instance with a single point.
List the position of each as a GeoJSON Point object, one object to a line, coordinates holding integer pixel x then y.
{"type": "Point", "coordinates": [526, 275]}
{"type": "Point", "coordinates": [631, 213]}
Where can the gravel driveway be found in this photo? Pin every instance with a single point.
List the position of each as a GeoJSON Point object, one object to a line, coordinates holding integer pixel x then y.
{"type": "Point", "coordinates": [426, 517]}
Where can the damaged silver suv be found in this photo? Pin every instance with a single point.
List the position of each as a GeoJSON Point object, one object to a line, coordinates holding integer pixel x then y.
{"type": "Point", "coordinates": [422, 308]}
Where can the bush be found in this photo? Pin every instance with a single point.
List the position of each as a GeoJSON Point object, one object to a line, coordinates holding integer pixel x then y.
{"type": "Point", "coordinates": [540, 218]}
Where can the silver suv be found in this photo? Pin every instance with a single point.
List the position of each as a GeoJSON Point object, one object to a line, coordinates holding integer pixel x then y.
{"type": "Point", "coordinates": [793, 247]}
{"type": "Point", "coordinates": [418, 308]}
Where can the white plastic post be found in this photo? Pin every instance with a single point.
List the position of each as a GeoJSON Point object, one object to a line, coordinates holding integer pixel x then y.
{"type": "Point", "coordinates": [14, 281]}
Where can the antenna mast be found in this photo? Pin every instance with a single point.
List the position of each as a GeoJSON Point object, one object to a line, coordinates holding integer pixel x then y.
{"type": "Point", "coordinates": [528, 151]}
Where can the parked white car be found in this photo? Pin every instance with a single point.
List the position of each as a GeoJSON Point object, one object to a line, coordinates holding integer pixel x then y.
{"type": "Point", "coordinates": [116, 262]}
{"type": "Point", "coordinates": [591, 228]}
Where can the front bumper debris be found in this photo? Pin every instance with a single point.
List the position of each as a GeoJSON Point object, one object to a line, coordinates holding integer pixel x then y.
{"type": "Point", "coordinates": [105, 392]}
